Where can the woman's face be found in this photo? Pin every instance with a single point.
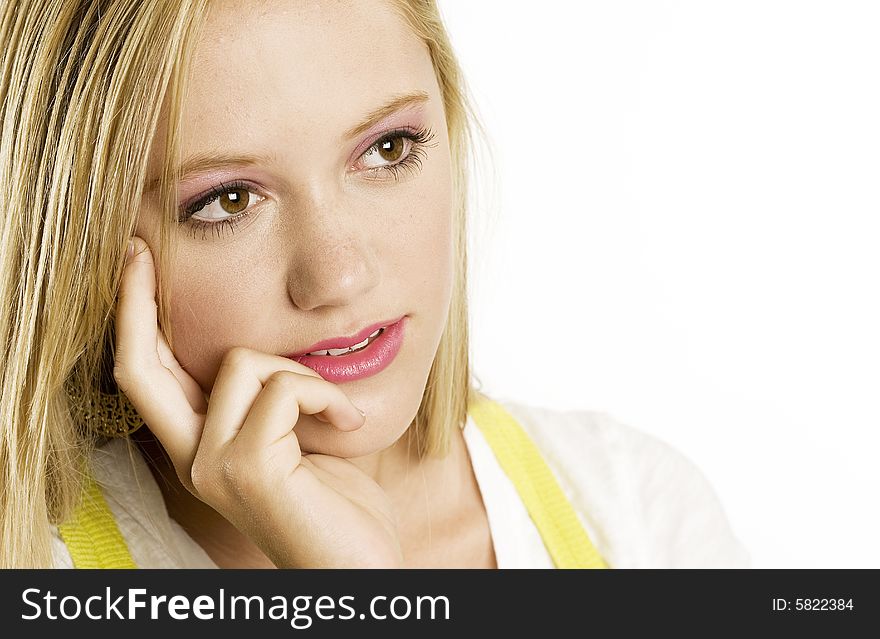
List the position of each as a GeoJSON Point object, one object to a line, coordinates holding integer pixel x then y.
{"type": "Point", "coordinates": [322, 230]}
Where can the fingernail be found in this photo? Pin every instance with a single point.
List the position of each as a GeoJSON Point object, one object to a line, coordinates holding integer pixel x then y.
{"type": "Point", "coordinates": [130, 250]}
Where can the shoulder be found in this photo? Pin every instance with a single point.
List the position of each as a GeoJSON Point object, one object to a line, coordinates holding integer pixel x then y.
{"type": "Point", "coordinates": [643, 502]}
{"type": "Point", "coordinates": [137, 507]}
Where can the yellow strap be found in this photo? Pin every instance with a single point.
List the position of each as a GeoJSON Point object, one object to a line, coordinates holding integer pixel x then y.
{"type": "Point", "coordinates": [92, 536]}
{"type": "Point", "coordinates": [563, 535]}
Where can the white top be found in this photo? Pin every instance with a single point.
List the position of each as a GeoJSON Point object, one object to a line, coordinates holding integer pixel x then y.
{"type": "Point", "coordinates": [516, 539]}
{"type": "Point", "coordinates": [643, 504]}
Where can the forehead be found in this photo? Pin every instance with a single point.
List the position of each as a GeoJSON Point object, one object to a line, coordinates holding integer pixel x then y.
{"type": "Point", "coordinates": [276, 70]}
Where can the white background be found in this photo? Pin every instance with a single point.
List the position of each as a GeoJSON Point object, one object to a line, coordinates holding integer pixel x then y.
{"type": "Point", "coordinates": [683, 232]}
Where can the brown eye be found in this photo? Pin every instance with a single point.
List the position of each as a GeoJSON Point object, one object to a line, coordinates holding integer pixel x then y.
{"type": "Point", "coordinates": [392, 149]}
{"type": "Point", "coordinates": [234, 201]}
{"type": "Point", "coordinates": [223, 204]}
{"type": "Point", "coordinates": [386, 152]}
{"type": "Point", "coordinates": [400, 152]}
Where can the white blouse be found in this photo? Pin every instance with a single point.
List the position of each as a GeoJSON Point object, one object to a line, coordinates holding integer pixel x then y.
{"type": "Point", "coordinates": [514, 535]}
{"type": "Point", "coordinates": [643, 504]}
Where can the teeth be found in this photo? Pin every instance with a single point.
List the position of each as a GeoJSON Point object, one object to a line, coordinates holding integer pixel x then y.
{"type": "Point", "coordinates": [335, 352]}
{"type": "Point", "coordinates": [340, 351]}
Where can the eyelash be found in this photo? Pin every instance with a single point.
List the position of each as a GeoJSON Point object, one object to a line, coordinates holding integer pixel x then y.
{"type": "Point", "coordinates": [420, 139]}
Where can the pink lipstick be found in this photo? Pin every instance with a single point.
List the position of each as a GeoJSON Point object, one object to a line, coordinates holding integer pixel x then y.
{"type": "Point", "coordinates": [345, 359]}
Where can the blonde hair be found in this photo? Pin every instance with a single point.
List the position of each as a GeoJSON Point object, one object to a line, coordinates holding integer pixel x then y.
{"type": "Point", "coordinates": [82, 86]}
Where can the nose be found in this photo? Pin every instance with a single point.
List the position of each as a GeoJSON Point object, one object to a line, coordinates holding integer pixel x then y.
{"type": "Point", "coordinates": [332, 263]}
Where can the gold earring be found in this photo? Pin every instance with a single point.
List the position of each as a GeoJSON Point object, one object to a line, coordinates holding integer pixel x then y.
{"type": "Point", "coordinates": [111, 415]}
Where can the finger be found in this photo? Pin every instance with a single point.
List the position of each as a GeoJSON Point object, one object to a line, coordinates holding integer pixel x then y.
{"type": "Point", "coordinates": [283, 398]}
{"type": "Point", "coordinates": [241, 378]}
{"type": "Point", "coordinates": [153, 389]}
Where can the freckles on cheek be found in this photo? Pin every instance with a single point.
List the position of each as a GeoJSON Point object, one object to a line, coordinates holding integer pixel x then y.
{"type": "Point", "coordinates": [433, 226]}
{"type": "Point", "coordinates": [209, 317]}
{"type": "Point", "coordinates": [425, 213]}
{"type": "Point", "coordinates": [196, 322]}
{"type": "Point", "coordinates": [226, 295]}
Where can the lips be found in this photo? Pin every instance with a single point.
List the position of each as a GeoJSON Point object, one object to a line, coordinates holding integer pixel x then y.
{"type": "Point", "coordinates": [345, 342]}
{"type": "Point", "coordinates": [370, 360]}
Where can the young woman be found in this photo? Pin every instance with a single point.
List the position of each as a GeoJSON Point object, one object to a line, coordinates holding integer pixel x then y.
{"type": "Point", "coordinates": [234, 311]}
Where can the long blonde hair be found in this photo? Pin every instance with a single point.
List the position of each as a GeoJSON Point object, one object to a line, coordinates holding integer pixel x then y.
{"type": "Point", "coordinates": [82, 85]}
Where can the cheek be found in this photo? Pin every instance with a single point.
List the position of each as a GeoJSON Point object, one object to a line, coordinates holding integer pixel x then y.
{"type": "Point", "coordinates": [211, 314]}
{"type": "Point", "coordinates": [421, 246]}
{"type": "Point", "coordinates": [438, 250]}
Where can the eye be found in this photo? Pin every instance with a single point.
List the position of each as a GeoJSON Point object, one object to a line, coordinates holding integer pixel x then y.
{"type": "Point", "coordinates": [397, 152]}
{"type": "Point", "coordinates": [389, 150]}
{"type": "Point", "coordinates": [223, 202]}
{"type": "Point", "coordinates": [222, 209]}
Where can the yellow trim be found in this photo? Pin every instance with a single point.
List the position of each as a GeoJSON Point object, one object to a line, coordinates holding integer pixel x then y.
{"type": "Point", "coordinates": [92, 536]}
{"type": "Point", "coordinates": [566, 540]}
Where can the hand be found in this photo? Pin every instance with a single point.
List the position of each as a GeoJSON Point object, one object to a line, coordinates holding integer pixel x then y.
{"type": "Point", "coordinates": [238, 452]}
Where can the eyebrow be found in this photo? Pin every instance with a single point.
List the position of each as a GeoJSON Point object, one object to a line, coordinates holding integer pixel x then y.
{"type": "Point", "coordinates": [212, 160]}
{"type": "Point", "coordinates": [397, 103]}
